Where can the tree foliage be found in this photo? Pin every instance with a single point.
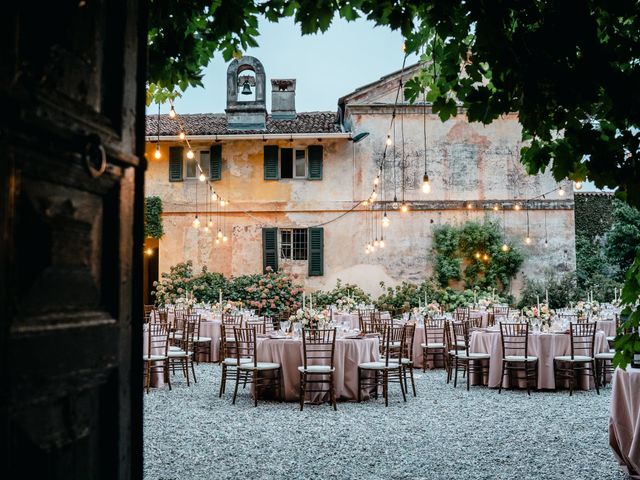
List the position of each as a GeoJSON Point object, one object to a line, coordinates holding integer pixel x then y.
{"type": "Point", "coordinates": [473, 253]}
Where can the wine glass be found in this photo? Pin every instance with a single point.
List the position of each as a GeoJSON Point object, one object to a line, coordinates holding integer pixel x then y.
{"type": "Point", "coordinates": [284, 326]}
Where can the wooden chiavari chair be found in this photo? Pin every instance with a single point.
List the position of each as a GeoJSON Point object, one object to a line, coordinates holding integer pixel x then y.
{"type": "Point", "coordinates": [500, 314]}
{"type": "Point", "coordinates": [390, 369]}
{"type": "Point", "coordinates": [184, 355]}
{"type": "Point", "coordinates": [259, 324]}
{"type": "Point", "coordinates": [148, 310]}
{"type": "Point", "coordinates": [407, 354]}
{"type": "Point", "coordinates": [364, 314]}
{"type": "Point", "coordinates": [515, 355]}
{"type": "Point", "coordinates": [571, 317]}
{"type": "Point", "coordinates": [253, 371]}
{"type": "Point", "coordinates": [201, 343]}
{"type": "Point", "coordinates": [461, 314]}
{"type": "Point", "coordinates": [435, 342]}
{"type": "Point", "coordinates": [318, 347]}
{"type": "Point", "coordinates": [581, 362]}
{"type": "Point", "coordinates": [155, 357]}
{"type": "Point", "coordinates": [228, 351]}
{"type": "Point", "coordinates": [471, 362]}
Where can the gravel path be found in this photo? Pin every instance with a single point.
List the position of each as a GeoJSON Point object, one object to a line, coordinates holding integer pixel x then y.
{"type": "Point", "coordinates": [444, 433]}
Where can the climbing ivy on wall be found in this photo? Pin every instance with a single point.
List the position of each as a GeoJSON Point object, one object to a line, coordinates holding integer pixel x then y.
{"type": "Point", "coordinates": [472, 253]}
{"type": "Point", "coordinates": [153, 217]}
{"type": "Point", "coordinates": [593, 213]}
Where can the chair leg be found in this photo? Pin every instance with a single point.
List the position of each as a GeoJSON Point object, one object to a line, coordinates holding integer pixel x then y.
{"type": "Point", "coordinates": [256, 383]}
{"type": "Point", "coordinates": [402, 389]}
{"type": "Point", "coordinates": [359, 384]}
{"type": "Point", "coordinates": [235, 388]}
{"type": "Point", "coordinates": [593, 373]}
{"type": "Point", "coordinates": [223, 379]}
{"type": "Point", "coordinates": [455, 378]}
{"type": "Point", "coordinates": [468, 375]}
{"type": "Point", "coordinates": [333, 392]}
{"type": "Point", "coordinates": [303, 389]}
{"type": "Point", "coordinates": [424, 360]}
{"type": "Point", "coordinates": [195, 380]}
{"type": "Point", "coordinates": [148, 370]}
{"type": "Point", "coordinates": [504, 366]}
{"type": "Point", "coordinates": [413, 382]}
{"type": "Point", "coordinates": [385, 387]}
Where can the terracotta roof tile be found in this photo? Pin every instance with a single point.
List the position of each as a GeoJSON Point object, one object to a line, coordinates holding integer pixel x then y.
{"type": "Point", "coordinates": [216, 124]}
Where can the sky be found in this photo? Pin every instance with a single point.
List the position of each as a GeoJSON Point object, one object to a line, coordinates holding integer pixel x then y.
{"type": "Point", "coordinates": [325, 66]}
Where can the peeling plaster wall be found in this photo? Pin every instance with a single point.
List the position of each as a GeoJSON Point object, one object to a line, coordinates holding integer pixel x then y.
{"type": "Point", "coordinates": [466, 162]}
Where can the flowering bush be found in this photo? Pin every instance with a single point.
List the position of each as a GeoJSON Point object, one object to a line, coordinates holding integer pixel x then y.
{"type": "Point", "coordinates": [346, 304]}
{"type": "Point", "coordinates": [345, 296]}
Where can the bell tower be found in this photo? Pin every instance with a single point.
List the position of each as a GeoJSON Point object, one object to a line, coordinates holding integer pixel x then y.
{"type": "Point", "coordinates": [246, 105]}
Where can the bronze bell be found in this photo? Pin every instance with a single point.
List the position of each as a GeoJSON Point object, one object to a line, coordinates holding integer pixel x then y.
{"type": "Point", "coordinates": [246, 88]}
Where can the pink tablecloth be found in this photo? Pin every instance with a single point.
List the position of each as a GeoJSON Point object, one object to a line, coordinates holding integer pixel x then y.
{"type": "Point", "coordinates": [211, 329]}
{"type": "Point", "coordinates": [545, 346]}
{"type": "Point", "coordinates": [608, 327]}
{"type": "Point", "coordinates": [348, 354]}
{"type": "Point", "coordinates": [624, 422]}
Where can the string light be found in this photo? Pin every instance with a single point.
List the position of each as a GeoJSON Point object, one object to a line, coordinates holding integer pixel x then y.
{"type": "Point", "coordinates": [485, 257]}
{"type": "Point", "coordinates": [181, 135]}
{"type": "Point", "coordinates": [469, 206]}
{"type": "Point", "coordinates": [157, 154]}
{"type": "Point", "coordinates": [196, 222]}
{"type": "Point", "coordinates": [527, 240]}
{"type": "Point", "coordinates": [578, 185]}
{"type": "Point", "coordinates": [376, 243]}
{"type": "Point", "coordinates": [202, 178]}
{"type": "Point", "coordinates": [478, 255]}
{"type": "Point", "coordinates": [214, 197]}
{"type": "Point", "coordinates": [381, 243]}
{"type": "Point", "coordinates": [495, 207]}
{"type": "Point", "coordinates": [561, 191]}
{"type": "Point", "coordinates": [190, 154]}
{"type": "Point", "coordinates": [504, 247]}
{"type": "Point", "coordinates": [172, 112]}
{"type": "Point", "coordinates": [426, 186]}
{"type": "Point", "coordinates": [219, 233]}
{"type": "Point", "coordinates": [404, 208]}
{"type": "Point", "coordinates": [517, 207]}
{"type": "Point", "coordinates": [222, 203]}
{"type": "Point", "coordinates": [376, 180]}
{"type": "Point", "coordinates": [389, 141]}
{"type": "Point", "coordinates": [224, 238]}
{"type": "Point", "coordinates": [206, 229]}
{"type": "Point", "coordinates": [385, 220]}
{"type": "Point", "coordinates": [217, 241]}
{"type": "Point", "coordinates": [149, 251]}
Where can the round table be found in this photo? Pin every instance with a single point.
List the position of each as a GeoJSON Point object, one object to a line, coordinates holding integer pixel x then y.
{"type": "Point", "coordinates": [348, 354]}
{"type": "Point", "coordinates": [545, 346]}
{"type": "Point", "coordinates": [624, 420]}
{"type": "Point", "coordinates": [352, 319]}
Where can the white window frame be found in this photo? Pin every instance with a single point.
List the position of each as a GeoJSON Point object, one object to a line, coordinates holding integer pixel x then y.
{"type": "Point", "coordinates": [281, 244]}
{"type": "Point", "coordinates": [205, 168]}
{"type": "Point", "coordinates": [293, 163]}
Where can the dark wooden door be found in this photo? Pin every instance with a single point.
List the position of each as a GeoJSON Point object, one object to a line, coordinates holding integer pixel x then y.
{"type": "Point", "coordinates": [71, 190]}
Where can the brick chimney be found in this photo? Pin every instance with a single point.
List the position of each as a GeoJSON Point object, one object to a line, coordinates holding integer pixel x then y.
{"type": "Point", "coordinates": [283, 99]}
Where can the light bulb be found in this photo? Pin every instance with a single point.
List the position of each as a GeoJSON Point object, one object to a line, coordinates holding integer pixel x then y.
{"type": "Point", "coordinates": [426, 186]}
{"type": "Point", "coordinates": [578, 185]}
{"type": "Point", "coordinates": [149, 251]}
{"type": "Point", "coordinates": [217, 241]}
{"type": "Point", "coordinates": [477, 255]}
{"type": "Point", "coordinates": [190, 154]}
{"type": "Point", "coordinates": [224, 239]}
{"type": "Point", "coordinates": [546, 243]}
{"type": "Point", "coordinates": [376, 243]}
{"type": "Point", "coordinates": [206, 229]}
{"type": "Point", "coordinates": [389, 141]}
{"type": "Point", "coordinates": [202, 178]}
{"type": "Point", "coordinates": [376, 181]}
{"type": "Point", "coordinates": [210, 224]}
{"type": "Point", "coordinates": [404, 208]}
{"type": "Point", "coordinates": [527, 240]}
{"type": "Point", "coordinates": [365, 203]}
{"type": "Point", "coordinates": [485, 257]}
{"type": "Point", "coordinates": [172, 112]}
{"type": "Point", "coordinates": [219, 233]}
{"type": "Point", "coordinates": [561, 191]}
{"type": "Point", "coordinates": [495, 207]}
{"type": "Point", "coordinates": [517, 206]}
{"type": "Point", "coordinates": [469, 206]}
{"type": "Point", "coordinates": [214, 197]}
{"type": "Point", "coordinates": [181, 135]}
{"type": "Point", "coordinates": [196, 222]}
{"type": "Point", "coordinates": [385, 220]}
{"type": "Point", "coordinates": [504, 247]}
{"type": "Point", "coordinates": [222, 203]}
{"type": "Point", "coordinates": [374, 194]}
{"type": "Point", "coordinates": [381, 243]}
{"type": "Point", "coordinates": [366, 249]}
{"type": "Point", "coordinates": [157, 154]}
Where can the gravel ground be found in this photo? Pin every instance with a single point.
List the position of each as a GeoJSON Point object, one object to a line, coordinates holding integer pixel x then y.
{"type": "Point", "coordinates": [444, 433]}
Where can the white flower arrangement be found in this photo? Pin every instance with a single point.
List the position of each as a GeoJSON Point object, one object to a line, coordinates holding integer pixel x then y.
{"type": "Point", "coordinates": [587, 308]}
{"type": "Point", "coordinates": [188, 300]}
{"type": "Point", "coordinates": [310, 318]}
{"type": "Point", "coordinates": [544, 313]}
{"type": "Point", "coordinates": [346, 304]}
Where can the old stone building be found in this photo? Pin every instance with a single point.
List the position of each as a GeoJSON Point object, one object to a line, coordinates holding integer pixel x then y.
{"type": "Point", "coordinates": [294, 182]}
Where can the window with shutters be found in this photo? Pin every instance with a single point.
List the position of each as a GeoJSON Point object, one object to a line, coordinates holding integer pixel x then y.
{"type": "Point", "coordinates": [191, 168]}
{"type": "Point", "coordinates": [293, 244]}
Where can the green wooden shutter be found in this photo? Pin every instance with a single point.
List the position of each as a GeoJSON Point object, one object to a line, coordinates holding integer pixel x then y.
{"type": "Point", "coordinates": [270, 162]}
{"type": "Point", "coordinates": [315, 153]}
{"type": "Point", "coordinates": [215, 162]}
{"type": "Point", "coordinates": [270, 249]}
{"type": "Point", "coordinates": [175, 164]}
{"type": "Point", "coordinates": [316, 252]}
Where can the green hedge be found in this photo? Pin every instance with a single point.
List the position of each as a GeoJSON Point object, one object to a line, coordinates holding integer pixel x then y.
{"type": "Point", "coordinates": [153, 217]}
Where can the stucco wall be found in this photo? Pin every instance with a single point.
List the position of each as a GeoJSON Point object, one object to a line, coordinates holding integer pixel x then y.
{"type": "Point", "coordinates": [465, 162]}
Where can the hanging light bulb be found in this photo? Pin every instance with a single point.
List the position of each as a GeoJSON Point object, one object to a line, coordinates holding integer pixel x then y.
{"type": "Point", "coordinates": [376, 243]}
{"type": "Point", "coordinates": [219, 233]}
{"type": "Point", "coordinates": [578, 185]}
{"type": "Point", "coordinates": [546, 243]}
{"type": "Point", "coordinates": [222, 203]}
{"type": "Point", "coordinates": [504, 247]}
{"type": "Point", "coordinates": [517, 207]}
{"type": "Point", "coordinates": [157, 154]}
{"type": "Point", "coordinates": [389, 141]}
{"type": "Point", "coordinates": [561, 191]}
{"type": "Point", "coordinates": [366, 249]}
{"type": "Point", "coordinates": [190, 154]}
{"type": "Point", "coordinates": [196, 222]}
{"type": "Point", "coordinates": [385, 220]}
{"type": "Point", "coordinates": [469, 206]}
{"type": "Point", "coordinates": [376, 180]}
{"type": "Point", "coordinates": [404, 208]}
{"type": "Point", "coordinates": [224, 238]}
{"type": "Point", "coordinates": [527, 240]}
{"type": "Point", "coordinates": [495, 207]}
{"type": "Point", "coordinates": [374, 194]}
{"type": "Point", "coordinates": [181, 135]}
{"type": "Point", "coordinates": [202, 178]}
{"type": "Point", "coordinates": [149, 251]}
{"type": "Point", "coordinates": [172, 112]}
{"type": "Point", "coordinates": [217, 241]}
{"type": "Point", "coordinates": [381, 243]}
{"type": "Point", "coordinates": [210, 224]}
{"type": "Point", "coordinates": [477, 255]}
{"type": "Point", "coordinates": [206, 229]}
{"type": "Point", "coordinates": [426, 186]}
{"type": "Point", "coordinates": [366, 202]}
{"type": "Point", "coordinates": [373, 249]}
{"type": "Point", "coordinates": [485, 257]}
{"type": "Point", "coordinates": [214, 196]}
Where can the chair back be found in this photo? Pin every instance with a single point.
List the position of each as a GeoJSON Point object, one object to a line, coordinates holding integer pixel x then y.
{"type": "Point", "coordinates": [570, 317]}
{"type": "Point", "coordinates": [158, 339]}
{"type": "Point", "coordinates": [474, 322]}
{"type": "Point", "coordinates": [318, 346]}
{"type": "Point", "coordinates": [245, 344]}
{"type": "Point", "coordinates": [434, 331]}
{"type": "Point", "coordinates": [460, 336]}
{"type": "Point", "coordinates": [259, 324]}
{"type": "Point", "coordinates": [196, 319]}
{"type": "Point", "coordinates": [189, 335]}
{"type": "Point", "coordinates": [371, 323]}
{"type": "Point", "coordinates": [583, 337]}
{"type": "Point", "coordinates": [271, 324]}
{"type": "Point", "coordinates": [500, 313]}
{"type": "Point", "coordinates": [365, 312]}
{"type": "Point", "coordinates": [393, 341]}
{"type": "Point", "coordinates": [232, 319]}
{"type": "Point", "coordinates": [409, 334]}
{"type": "Point", "coordinates": [148, 310]}
{"type": "Point", "coordinates": [461, 314]}
{"type": "Point", "coordinates": [514, 338]}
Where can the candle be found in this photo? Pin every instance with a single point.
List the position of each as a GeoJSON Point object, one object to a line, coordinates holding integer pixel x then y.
{"type": "Point", "coordinates": [546, 292]}
{"type": "Point", "coordinates": [311, 301]}
{"type": "Point", "coordinates": [538, 302]}
{"type": "Point", "coordinates": [425, 299]}
{"type": "Point", "coordinates": [303, 301]}
{"type": "Point", "coordinates": [220, 297]}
